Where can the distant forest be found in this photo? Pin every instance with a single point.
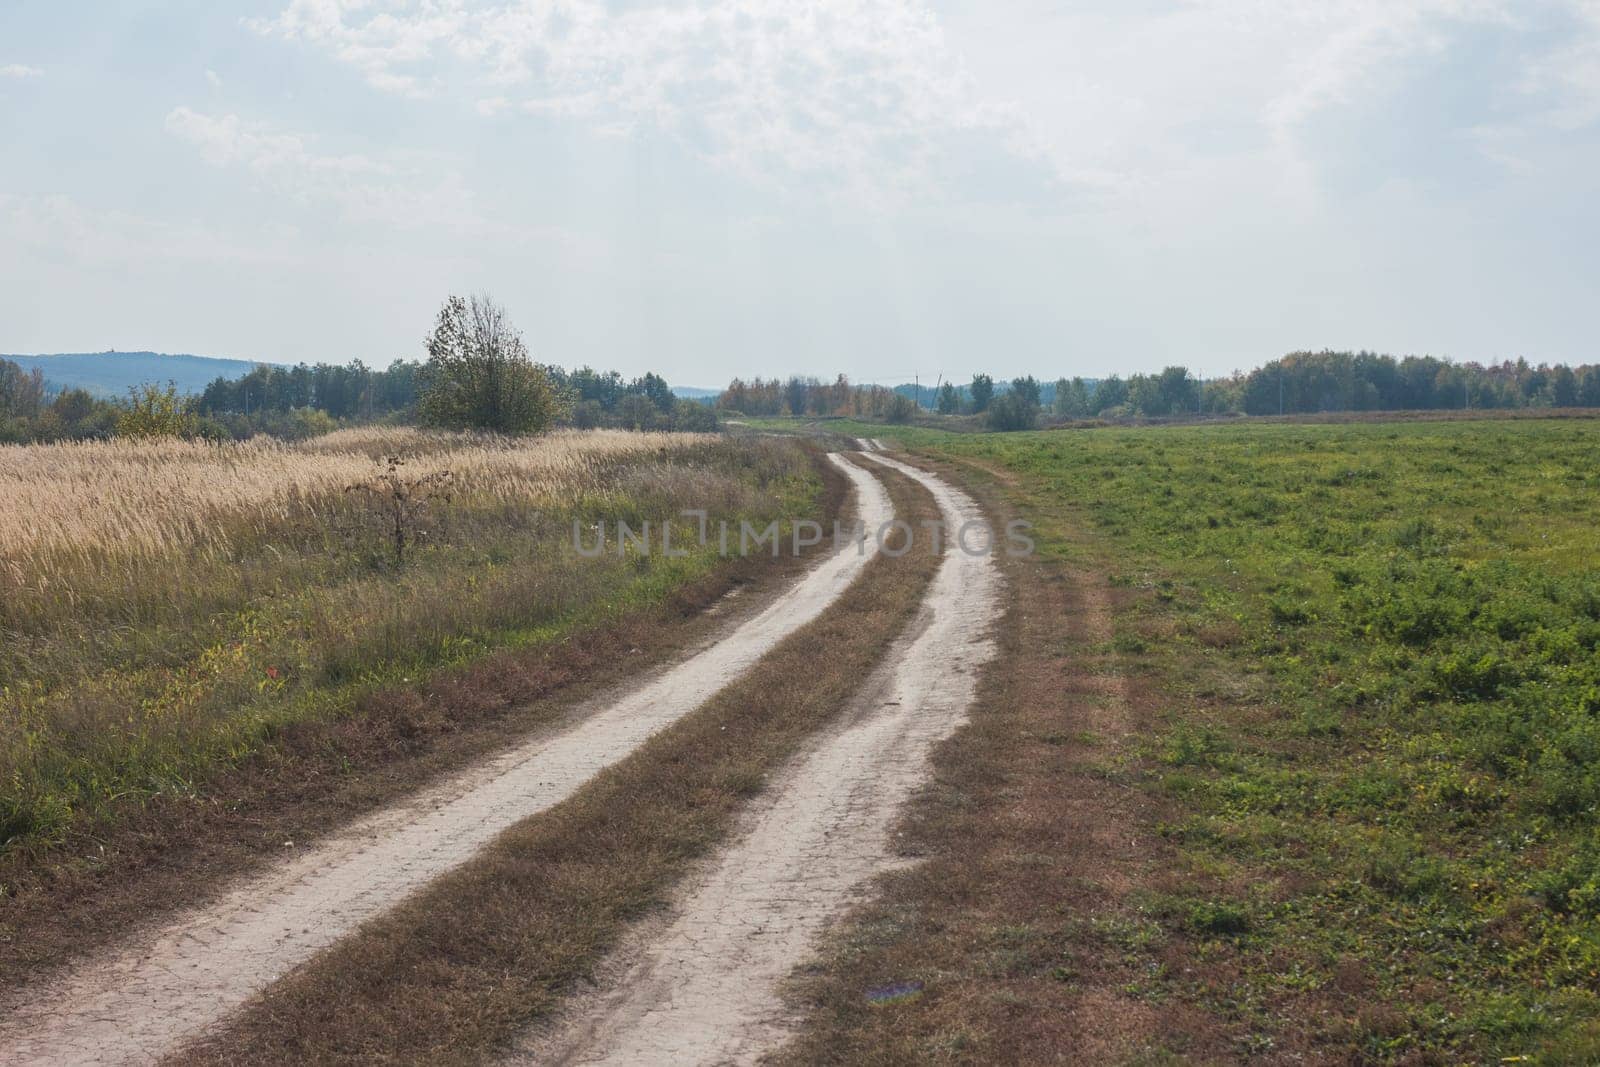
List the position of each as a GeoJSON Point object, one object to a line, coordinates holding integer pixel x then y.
{"type": "Point", "coordinates": [294, 402]}
{"type": "Point", "coordinates": [1299, 383]}
{"type": "Point", "coordinates": [297, 402]}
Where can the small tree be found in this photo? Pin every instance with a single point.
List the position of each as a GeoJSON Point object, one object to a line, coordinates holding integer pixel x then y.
{"type": "Point", "coordinates": [691, 416]}
{"type": "Point", "coordinates": [1027, 389]}
{"type": "Point", "coordinates": [900, 408]}
{"type": "Point", "coordinates": [21, 392]}
{"type": "Point", "coordinates": [400, 503]}
{"type": "Point", "coordinates": [795, 394]}
{"type": "Point", "coordinates": [982, 390]}
{"type": "Point", "coordinates": [1011, 412]}
{"type": "Point", "coordinates": [655, 388]}
{"type": "Point", "coordinates": [636, 412]}
{"type": "Point", "coordinates": [479, 376]}
{"type": "Point", "coordinates": [949, 399]}
{"type": "Point", "coordinates": [1072, 398]}
{"type": "Point", "coordinates": [1109, 393]}
{"type": "Point", "coordinates": [155, 411]}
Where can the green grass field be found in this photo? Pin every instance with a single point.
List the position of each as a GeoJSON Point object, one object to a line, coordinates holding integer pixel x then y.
{"type": "Point", "coordinates": [1379, 648]}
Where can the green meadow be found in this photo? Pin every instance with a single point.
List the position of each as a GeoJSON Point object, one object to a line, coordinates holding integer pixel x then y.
{"type": "Point", "coordinates": [1378, 649]}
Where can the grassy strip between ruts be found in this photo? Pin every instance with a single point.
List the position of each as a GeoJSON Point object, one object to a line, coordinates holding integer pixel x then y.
{"type": "Point", "coordinates": [459, 969]}
{"type": "Point", "coordinates": [143, 859]}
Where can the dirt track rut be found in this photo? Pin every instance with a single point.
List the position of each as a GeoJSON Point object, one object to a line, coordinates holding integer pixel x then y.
{"type": "Point", "coordinates": [706, 988]}
{"type": "Point", "coordinates": [145, 998]}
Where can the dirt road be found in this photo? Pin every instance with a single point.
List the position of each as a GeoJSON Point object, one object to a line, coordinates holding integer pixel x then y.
{"type": "Point", "coordinates": [144, 999]}
{"type": "Point", "coordinates": [705, 989]}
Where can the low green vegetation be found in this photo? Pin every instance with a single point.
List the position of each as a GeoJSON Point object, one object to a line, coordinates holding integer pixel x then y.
{"type": "Point", "coordinates": [1380, 649]}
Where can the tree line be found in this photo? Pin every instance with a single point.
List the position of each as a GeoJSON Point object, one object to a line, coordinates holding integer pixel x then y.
{"type": "Point", "coordinates": [1012, 405]}
{"type": "Point", "coordinates": [1299, 383]}
{"type": "Point", "coordinates": [477, 375]}
{"type": "Point", "coordinates": [29, 411]}
{"type": "Point", "coordinates": [812, 396]}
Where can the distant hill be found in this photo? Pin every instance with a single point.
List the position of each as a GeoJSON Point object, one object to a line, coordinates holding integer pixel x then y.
{"type": "Point", "coordinates": [114, 373]}
{"type": "Point", "coordinates": [699, 396]}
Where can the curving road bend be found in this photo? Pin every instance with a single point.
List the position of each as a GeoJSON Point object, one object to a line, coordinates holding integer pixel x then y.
{"type": "Point", "coordinates": [144, 999]}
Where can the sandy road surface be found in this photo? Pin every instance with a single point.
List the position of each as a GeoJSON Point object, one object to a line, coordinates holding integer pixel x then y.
{"type": "Point", "coordinates": [705, 990]}
{"type": "Point", "coordinates": [144, 999]}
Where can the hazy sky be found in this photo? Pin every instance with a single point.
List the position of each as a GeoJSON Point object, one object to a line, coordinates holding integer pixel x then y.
{"type": "Point", "coordinates": [878, 187]}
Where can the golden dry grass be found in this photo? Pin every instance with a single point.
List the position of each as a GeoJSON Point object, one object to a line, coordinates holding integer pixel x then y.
{"type": "Point", "coordinates": [165, 604]}
{"type": "Point", "coordinates": [128, 498]}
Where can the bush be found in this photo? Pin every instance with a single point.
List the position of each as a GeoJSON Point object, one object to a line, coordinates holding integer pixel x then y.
{"type": "Point", "coordinates": [900, 409]}
{"type": "Point", "coordinates": [155, 411]}
{"type": "Point", "coordinates": [1217, 919]}
{"type": "Point", "coordinates": [1011, 412]}
{"type": "Point", "coordinates": [689, 416]}
{"type": "Point", "coordinates": [1573, 888]}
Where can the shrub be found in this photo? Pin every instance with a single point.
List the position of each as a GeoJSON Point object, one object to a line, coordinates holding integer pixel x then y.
{"type": "Point", "coordinates": [1217, 919]}
{"type": "Point", "coordinates": [1573, 888]}
{"type": "Point", "coordinates": [1011, 412]}
{"type": "Point", "coordinates": [900, 409]}
{"type": "Point", "coordinates": [155, 411]}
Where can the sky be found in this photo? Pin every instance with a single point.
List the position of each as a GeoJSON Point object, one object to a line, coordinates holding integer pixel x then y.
{"type": "Point", "coordinates": [882, 188]}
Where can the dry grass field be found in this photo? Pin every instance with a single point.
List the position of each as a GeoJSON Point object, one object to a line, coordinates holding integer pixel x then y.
{"type": "Point", "coordinates": [165, 606]}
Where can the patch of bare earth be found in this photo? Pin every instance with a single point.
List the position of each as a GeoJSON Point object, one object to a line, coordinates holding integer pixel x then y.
{"type": "Point", "coordinates": [1018, 938]}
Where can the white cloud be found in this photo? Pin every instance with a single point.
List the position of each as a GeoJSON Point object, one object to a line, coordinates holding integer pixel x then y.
{"type": "Point", "coordinates": [20, 70]}
{"type": "Point", "coordinates": [882, 97]}
{"type": "Point", "coordinates": [876, 94]}
{"type": "Point", "coordinates": [1158, 98]}
{"type": "Point", "coordinates": [862, 91]}
{"type": "Point", "coordinates": [213, 79]}
{"type": "Point", "coordinates": [384, 38]}
{"type": "Point", "coordinates": [387, 191]}
{"type": "Point", "coordinates": [1570, 75]}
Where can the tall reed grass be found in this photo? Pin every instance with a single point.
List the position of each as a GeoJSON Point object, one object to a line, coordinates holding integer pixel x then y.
{"type": "Point", "coordinates": [125, 499]}
{"type": "Point", "coordinates": [163, 604]}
